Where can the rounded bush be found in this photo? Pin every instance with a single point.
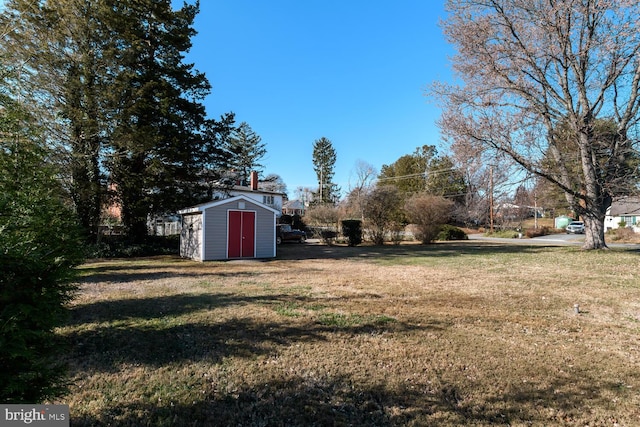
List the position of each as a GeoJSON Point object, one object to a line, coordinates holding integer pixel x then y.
{"type": "Point", "coordinates": [449, 232]}
{"type": "Point", "coordinates": [352, 230]}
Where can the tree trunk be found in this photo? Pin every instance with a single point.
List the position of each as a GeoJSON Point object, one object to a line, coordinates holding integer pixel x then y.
{"type": "Point", "coordinates": [594, 233]}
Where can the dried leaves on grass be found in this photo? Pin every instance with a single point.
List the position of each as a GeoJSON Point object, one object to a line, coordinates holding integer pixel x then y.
{"type": "Point", "coordinates": [449, 334]}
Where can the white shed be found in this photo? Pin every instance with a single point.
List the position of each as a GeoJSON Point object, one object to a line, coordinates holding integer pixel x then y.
{"type": "Point", "coordinates": [233, 228]}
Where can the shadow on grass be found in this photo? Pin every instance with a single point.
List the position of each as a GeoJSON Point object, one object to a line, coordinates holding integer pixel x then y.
{"type": "Point", "coordinates": [444, 249]}
{"type": "Point", "coordinates": [127, 274]}
{"type": "Point", "coordinates": [159, 307]}
{"type": "Point", "coordinates": [339, 401]}
{"type": "Point", "coordinates": [149, 331]}
{"type": "Point", "coordinates": [107, 349]}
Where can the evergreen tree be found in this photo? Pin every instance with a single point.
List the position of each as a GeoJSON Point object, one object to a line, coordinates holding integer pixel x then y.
{"type": "Point", "coordinates": [445, 179]}
{"type": "Point", "coordinates": [324, 160]}
{"type": "Point", "coordinates": [39, 246]}
{"type": "Point", "coordinates": [246, 149]}
{"type": "Point", "coordinates": [61, 42]}
{"type": "Point", "coordinates": [162, 139]}
{"type": "Point", "coordinates": [113, 72]}
{"type": "Point", "coordinates": [408, 172]}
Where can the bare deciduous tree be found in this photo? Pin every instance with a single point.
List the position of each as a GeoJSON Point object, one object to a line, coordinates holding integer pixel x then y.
{"type": "Point", "coordinates": [539, 79]}
{"type": "Point", "coordinates": [364, 182]}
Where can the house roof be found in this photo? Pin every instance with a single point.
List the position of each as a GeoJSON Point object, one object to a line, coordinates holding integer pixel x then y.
{"type": "Point", "coordinates": [293, 204]}
{"type": "Point", "coordinates": [625, 206]}
{"type": "Point", "coordinates": [203, 206]}
{"type": "Point", "coordinates": [243, 189]}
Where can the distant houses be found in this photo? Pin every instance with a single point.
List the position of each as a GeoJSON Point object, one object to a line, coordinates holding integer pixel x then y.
{"type": "Point", "coordinates": [623, 212]}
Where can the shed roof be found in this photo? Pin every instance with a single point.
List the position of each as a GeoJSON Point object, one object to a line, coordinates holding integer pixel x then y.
{"type": "Point", "coordinates": [203, 206]}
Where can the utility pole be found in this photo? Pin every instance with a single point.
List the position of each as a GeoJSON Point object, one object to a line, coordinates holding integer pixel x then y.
{"type": "Point", "coordinates": [321, 182]}
{"type": "Point", "coordinates": [535, 209]}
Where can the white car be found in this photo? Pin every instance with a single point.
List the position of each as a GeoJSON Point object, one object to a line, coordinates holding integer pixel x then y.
{"type": "Point", "coordinates": [575, 227]}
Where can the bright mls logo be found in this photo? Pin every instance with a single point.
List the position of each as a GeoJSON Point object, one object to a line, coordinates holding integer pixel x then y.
{"type": "Point", "coordinates": [39, 415]}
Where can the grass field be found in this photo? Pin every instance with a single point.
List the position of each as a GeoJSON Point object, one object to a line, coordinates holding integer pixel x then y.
{"type": "Point", "coordinates": [448, 334]}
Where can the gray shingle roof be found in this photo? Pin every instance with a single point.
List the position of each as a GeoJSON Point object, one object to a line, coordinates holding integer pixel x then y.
{"type": "Point", "coordinates": [625, 206]}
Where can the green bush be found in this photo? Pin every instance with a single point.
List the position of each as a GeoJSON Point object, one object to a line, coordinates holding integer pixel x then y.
{"type": "Point", "coordinates": [352, 230]}
{"type": "Point", "coordinates": [450, 232]}
{"type": "Point", "coordinates": [123, 247]}
{"type": "Point", "coordinates": [40, 245]}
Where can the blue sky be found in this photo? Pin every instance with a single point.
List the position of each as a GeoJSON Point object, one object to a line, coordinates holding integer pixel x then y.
{"type": "Point", "coordinates": [352, 71]}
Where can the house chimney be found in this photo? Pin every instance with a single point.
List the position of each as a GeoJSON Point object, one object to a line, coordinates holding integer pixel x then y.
{"type": "Point", "coordinates": [254, 180]}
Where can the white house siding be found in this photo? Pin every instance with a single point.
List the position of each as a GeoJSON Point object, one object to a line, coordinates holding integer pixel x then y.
{"type": "Point", "coordinates": [632, 221]}
{"type": "Point", "coordinates": [191, 237]}
{"type": "Point", "coordinates": [625, 209]}
{"type": "Point", "coordinates": [261, 197]}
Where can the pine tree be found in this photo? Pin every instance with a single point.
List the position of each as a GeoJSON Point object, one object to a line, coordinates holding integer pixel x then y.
{"type": "Point", "coordinates": [39, 248]}
{"type": "Point", "coordinates": [324, 159]}
{"type": "Point", "coordinates": [130, 108]}
{"type": "Point", "coordinates": [246, 149]}
{"type": "Point", "coordinates": [162, 139]}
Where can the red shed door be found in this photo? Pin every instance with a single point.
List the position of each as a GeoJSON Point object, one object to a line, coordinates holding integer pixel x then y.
{"type": "Point", "coordinates": [242, 233]}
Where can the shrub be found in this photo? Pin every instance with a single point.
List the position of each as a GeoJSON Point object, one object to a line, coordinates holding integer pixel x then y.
{"type": "Point", "coordinates": [450, 232]}
{"type": "Point", "coordinates": [428, 213]}
{"type": "Point", "coordinates": [396, 230]}
{"type": "Point", "coordinates": [123, 247]}
{"type": "Point", "coordinates": [297, 223]}
{"type": "Point", "coordinates": [623, 234]}
{"type": "Point", "coordinates": [352, 230]}
{"type": "Point", "coordinates": [328, 236]}
{"type": "Point", "coordinates": [537, 232]}
{"type": "Point", "coordinates": [503, 234]}
{"type": "Point", "coordinates": [381, 208]}
{"type": "Point", "coordinates": [322, 215]}
{"type": "Point", "coordinates": [39, 246]}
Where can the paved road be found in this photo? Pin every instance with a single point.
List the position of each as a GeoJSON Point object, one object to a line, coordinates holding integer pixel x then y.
{"type": "Point", "coordinates": [551, 239]}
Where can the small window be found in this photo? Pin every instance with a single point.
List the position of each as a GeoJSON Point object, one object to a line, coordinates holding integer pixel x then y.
{"type": "Point", "coordinates": [267, 200]}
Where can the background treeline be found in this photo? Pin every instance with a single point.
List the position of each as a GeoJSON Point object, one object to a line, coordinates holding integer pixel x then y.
{"type": "Point", "coordinates": [117, 104]}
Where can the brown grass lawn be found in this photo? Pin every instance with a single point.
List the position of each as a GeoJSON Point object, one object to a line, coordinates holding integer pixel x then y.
{"type": "Point", "coordinates": [449, 334]}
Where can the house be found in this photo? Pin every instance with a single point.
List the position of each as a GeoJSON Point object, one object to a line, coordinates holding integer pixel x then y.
{"type": "Point", "coordinates": [270, 198]}
{"type": "Point", "coordinates": [627, 210]}
{"type": "Point", "coordinates": [293, 207]}
{"type": "Point", "coordinates": [232, 228]}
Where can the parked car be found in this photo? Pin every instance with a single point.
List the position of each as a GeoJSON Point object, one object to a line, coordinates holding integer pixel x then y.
{"type": "Point", "coordinates": [284, 233]}
{"type": "Point", "coordinates": [575, 227]}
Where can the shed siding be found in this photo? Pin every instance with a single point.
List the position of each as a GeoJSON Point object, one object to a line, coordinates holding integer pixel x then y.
{"type": "Point", "coordinates": [191, 237]}
{"type": "Point", "coordinates": [215, 246]}
{"type": "Point", "coordinates": [212, 220]}
{"type": "Point", "coordinates": [265, 233]}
